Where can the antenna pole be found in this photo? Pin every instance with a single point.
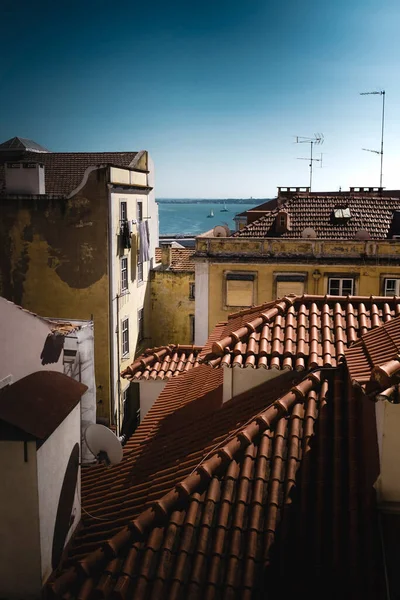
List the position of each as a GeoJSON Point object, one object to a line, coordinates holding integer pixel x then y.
{"type": "Point", "coordinates": [383, 127]}
{"type": "Point", "coordinates": [311, 161]}
{"type": "Point", "coordinates": [317, 139]}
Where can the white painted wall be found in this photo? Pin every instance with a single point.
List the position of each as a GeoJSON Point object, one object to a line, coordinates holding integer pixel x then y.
{"type": "Point", "coordinates": [238, 380]}
{"type": "Point", "coordinates": [149, 392]}
{"type": "Point", "coordinates": [388, 428]}
{"type": "Point", "coordinates": [22, 338]}
{"type": "Point", "coordinates": [52, 460]}
{"type": "Point", "coordinates": [20, 575]}
{"type": "Point", "coordinates": [201, 304]}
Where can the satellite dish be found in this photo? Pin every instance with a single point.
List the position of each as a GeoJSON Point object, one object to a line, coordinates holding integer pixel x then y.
{"type": "Point", "coordinates": [221, 231]}
{"type": "Point", "coordinates": [308, 232]}
{"type": "Point", "coordinates": [362, 234]}
{"type": "Point", "coordinates": [105, 446]}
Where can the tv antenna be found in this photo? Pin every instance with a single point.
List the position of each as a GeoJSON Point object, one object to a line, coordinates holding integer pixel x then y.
{"type": "Point", "coordinates": [380, 93]}
{"type": "Point", "coordinates": [318, 139]}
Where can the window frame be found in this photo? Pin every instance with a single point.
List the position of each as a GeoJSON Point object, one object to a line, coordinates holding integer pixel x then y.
{"type": "Point", "coordinates": [139, 211]}
{"type": "Point", "coordinates": [140, 315]}
{"type": "Point", "coordinates": [239, 276]}
{"type": "Point", "coordinates": [192, 328]}
{"type": "Point", "coordinates": [341, 279]}
{"type": "Point", "coordinates": [140, 276]}
{"type": "Point", "coordinates": [192, 290]}
{"type": "Point", "coordinates": [124, 279]}
{"type": "Point", "coordinates": [122, 218]}
{"type": "Point", "coordinates": [397, 286]}
{"type": "Point", "coordinates": [125, 336]}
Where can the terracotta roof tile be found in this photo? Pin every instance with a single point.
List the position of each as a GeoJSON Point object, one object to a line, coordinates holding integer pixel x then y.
{"type": "Point", "coordinates": [163, 362]}
{"type": "Point", "coordinates": [272, 498]}
{"type": "Point", "coordinates": [297, 332]}
{"type": "Point", "coordinates": [181, 259]}
{"type": "Point", "coordinates": [302, 213]}
{"type": "Point", "coordinates": [64, 170]}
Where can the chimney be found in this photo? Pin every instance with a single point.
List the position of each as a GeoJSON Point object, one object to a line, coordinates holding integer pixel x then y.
{"type": "Point", "coordinates": [166, 255]}
{"type": "Point", "coordinates": [24, 178]}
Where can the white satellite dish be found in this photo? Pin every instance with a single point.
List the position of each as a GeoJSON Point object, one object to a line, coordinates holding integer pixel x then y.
{"type": "Point", "coordinates": [308, 232]}
{"type": "Point", "coordinates": [105, 446]}
{"type": "Point", "coordinates": [221, 231]}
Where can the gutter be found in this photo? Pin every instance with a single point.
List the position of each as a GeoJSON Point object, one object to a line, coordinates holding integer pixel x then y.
{"type": "Point", "coordinates": [111, 305]}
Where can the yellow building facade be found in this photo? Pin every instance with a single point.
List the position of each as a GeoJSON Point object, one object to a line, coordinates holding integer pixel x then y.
{"type": "Point", "coordinates": [62, 255]}
{"type": "Point", "coordinates": [172, 297]}
{"type": "Point", "coordinates": [234, 273]}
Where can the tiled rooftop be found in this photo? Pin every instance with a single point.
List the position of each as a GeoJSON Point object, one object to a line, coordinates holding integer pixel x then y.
{"type": "Point", "coordinates": [373, 214]}
{"type": "Point", "coordinates": [181, 259]}
{"type": "Point", "coordinates": [297, 332]}
{"type": "Point", "coordinates": [64, 170]}
{"type": "Point", "coordinates": [265, 493]}
{"type": "Point", "coordinates": [163, 362]}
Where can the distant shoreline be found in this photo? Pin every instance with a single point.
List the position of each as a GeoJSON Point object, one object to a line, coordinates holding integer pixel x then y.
{"type": "Point", "coordinates": [254, 201]}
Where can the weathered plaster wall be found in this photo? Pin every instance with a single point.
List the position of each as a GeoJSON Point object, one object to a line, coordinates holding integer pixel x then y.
{"type": "Point", "coordinates": [54, 262]}
{"type": "Point", "coordinates": [171, 307]}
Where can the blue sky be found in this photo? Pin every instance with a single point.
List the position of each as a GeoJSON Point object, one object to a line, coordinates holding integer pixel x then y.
{"type": "Point", "coordinates": [214, 89]}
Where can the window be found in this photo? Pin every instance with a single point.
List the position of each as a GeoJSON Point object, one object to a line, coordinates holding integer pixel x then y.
{"type": "Point", "coordinates": [290, 283]}
{"type": "Point", "coordinates": [391, 287]}
{"type": "Point", "coordinates": [140, 325]}
{"type": "Point", "coordinates": [191, 328]}
{"type": "Point", "coordinates": [340, 286]}
{"type": "Point", "coordinates": [123, 214]}
{"type": "Point", "coordinates": [341, 212]}
{"type": "Point", "coordinates": [139, 211]}
{"type": "Point", "coordinates": [140, 271]}
{"type": "Point", "coordinates": [240, 289]}
{"type": "Point", "coordinates": [125, 337]}
{"type": "Point", "coordinates": [191, 291]}
{"type": "Point", "coordinates": [124, 274]}
{"type": "Point", "coordinates": [282, 220]}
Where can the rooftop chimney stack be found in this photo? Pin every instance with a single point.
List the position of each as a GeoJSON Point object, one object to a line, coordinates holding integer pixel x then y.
{"type": "Point", "coordinates": [166, 255]}
{"type": "Point", "coordinates": [24, 178]}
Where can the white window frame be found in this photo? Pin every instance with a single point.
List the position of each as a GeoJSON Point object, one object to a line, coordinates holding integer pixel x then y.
{"type": "Point", "coordinates": [123, 211]}
{"type": "Point", "coordinates": [396, 286]}
{"type": "Point", "coordinates": [139, 211]}
{"type": "Point", "coordinates": [125, 336]}
{"type": "Point", "coordinates": [140, 324]}
{"type": "Point", "coordinates": [124, 274]}
{"type": "Point", "coordinates": [341, 281]}
{"type": "Point", "coordinates": [140, 272]}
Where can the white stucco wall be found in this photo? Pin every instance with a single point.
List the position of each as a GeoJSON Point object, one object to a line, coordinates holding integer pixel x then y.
{"type": "Point", "coordinates": [22, 338]}
{"type": "Point", "coordinates": [137, 296]}
{"type": "Point", "coordinates": [20, 575]}
{"type": "Point", "coordinates": [388, 427]}
{"type": "Point", "coordinates": [201, 305]}
{"type": "Point", "coordinates": [52, 460]}
{"type": "Point", "coordinates": [149, 392]}
{"type": "Point", "coordinates": [239, 380]}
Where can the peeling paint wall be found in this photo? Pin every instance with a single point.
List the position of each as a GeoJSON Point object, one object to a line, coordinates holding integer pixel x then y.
{"type": "Point", "coordinates": [54, 262]}
{"type": "Point", "coordinates": [171, 307]}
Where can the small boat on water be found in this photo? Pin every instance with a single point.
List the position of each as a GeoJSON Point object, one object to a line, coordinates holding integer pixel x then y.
{"type": "Point", "coordinates": [224, 209]}
{"type": "Point", "coordinates": [210, 216]}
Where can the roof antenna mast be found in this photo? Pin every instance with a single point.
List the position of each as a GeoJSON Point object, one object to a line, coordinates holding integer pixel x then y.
{"type": "Point", "coordinates": [318, 139]}
{"type": "Point", "coordinates": [383, 94]}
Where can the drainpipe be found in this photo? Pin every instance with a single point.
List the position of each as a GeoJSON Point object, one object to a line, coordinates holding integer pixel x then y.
{"type": "Point", "coordinates": [118, 367]}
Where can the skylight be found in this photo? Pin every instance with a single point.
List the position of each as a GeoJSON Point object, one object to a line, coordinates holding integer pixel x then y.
{"type": "Point", "coordinates": [342, 213]}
